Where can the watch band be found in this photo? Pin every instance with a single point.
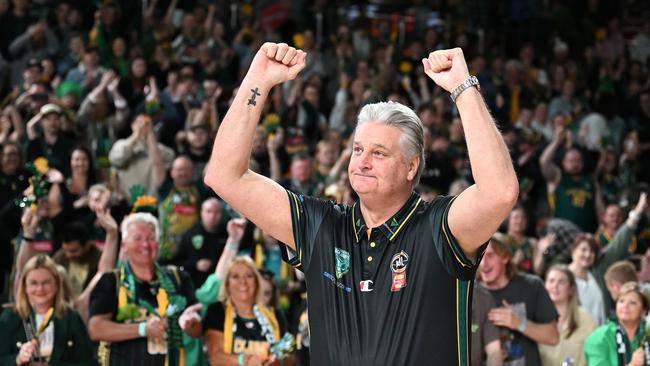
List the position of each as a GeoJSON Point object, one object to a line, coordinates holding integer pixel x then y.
{"type": "Point", "coordinates": [469, 82]}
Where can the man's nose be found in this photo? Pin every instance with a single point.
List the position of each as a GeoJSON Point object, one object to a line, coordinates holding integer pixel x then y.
{"type": "Point", "coordinates": [365, 162]}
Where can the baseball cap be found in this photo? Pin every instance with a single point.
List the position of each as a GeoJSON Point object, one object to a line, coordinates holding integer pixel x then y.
{"type": "Point", "coordinates": [51, 108]}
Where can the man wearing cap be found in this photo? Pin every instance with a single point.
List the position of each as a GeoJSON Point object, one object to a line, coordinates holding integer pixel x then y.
{"type": "Point", "coordinates": [389, 279]}
{"type": "Point", "coordinates": [46, 138]}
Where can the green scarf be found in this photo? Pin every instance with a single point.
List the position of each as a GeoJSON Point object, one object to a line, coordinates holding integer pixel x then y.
{"type": "Point", "coordinates": [129, 305]}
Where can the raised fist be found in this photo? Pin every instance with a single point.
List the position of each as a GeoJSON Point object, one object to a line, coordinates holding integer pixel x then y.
{"type": "Point", "coordinates": [276, 63]}
{"type": "Point", "coordinates": [446, 68]}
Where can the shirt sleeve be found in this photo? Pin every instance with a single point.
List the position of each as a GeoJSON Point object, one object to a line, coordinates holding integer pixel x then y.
{"type": "Point", "coordinates": [451, 254]}
{"type": "Point", "coordinates": [208, 292]}
{"type": "Point", "coordinates": [103, 298]}
{"type": "Point", "coordinates": [307, 215]}
{"type": "Point", "coordinates": [214, 317]}
{"type": "Point", "coordinates": [596, 348]}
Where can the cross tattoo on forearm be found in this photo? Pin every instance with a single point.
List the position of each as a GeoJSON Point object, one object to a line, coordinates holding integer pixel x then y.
{"type": "Point", "coordinates": [255, 94]}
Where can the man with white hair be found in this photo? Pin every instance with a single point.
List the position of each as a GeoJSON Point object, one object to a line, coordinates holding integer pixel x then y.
{"type": "Point", "coordinates": [134, 310]}
{"type": "Point", "coordinates": [389, 280]}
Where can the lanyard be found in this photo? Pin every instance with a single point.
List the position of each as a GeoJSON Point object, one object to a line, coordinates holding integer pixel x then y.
{"type": "Point", "coordinates": [33, 336]}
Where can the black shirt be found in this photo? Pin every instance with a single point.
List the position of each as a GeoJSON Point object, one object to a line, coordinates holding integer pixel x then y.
{"type": "Point", "coordinates": [196, 244]}
{"type": "Point", "coordinates": [57, 155]}
{"type": "Point", "coordinates": [103, 300]}
{"type": "Point", "coordinates": [528, 297]}
{"type": "Point", "coordinates": [400, 297]}
{"type": "Point", "coordinates": [247, 333]}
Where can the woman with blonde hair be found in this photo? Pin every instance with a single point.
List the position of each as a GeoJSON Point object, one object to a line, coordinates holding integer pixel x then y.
{"type": "Point", "coordinates": [239, 329]}
{"type": "Point", "coordinates": [574, 323]}
{"type": "Point", "coordinates": [41, 327]}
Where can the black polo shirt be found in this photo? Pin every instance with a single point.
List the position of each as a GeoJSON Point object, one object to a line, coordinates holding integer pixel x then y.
{"type": "Point", "coordinates": [401, 296]}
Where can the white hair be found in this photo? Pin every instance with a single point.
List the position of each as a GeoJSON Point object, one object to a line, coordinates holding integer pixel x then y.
{"type": "Point", "coordinates": [404, 118]}
{"type": "Point", "coordinates": [143, 218]}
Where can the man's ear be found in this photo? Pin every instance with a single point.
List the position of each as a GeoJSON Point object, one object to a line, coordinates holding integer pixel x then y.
{"type": "Point", "coordinates": [413, 166]}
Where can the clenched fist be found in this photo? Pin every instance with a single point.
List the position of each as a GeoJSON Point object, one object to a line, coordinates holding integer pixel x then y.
{"type": "Point", "coordinates": [276, 63]}
{"type": "Point", "coordinates": [446, 68]}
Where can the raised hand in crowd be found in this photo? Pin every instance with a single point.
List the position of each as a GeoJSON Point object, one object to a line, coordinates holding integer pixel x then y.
{"type": "Point", "coordinates": [236, 228]}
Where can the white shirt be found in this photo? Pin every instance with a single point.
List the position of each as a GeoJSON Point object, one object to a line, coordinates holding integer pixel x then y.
{"type": "Point", "coordinates": [591, 298]}
{"type": "Point", "coordinates": [45, 339]}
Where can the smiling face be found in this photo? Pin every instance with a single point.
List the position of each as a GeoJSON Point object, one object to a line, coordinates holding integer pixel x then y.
{"type": "Point", "coordinates": [141, 245]}
{"type": "Point", "coordinates": [41, 288]}
{"type": "Point", "coordinates": [582, 255]}
{"type": "Point", "coordinates": [79, 161]}
{"type": "Point", "coordinates": [241, 284]}
{"type": "Point", "coordinates": [558, 286]}
{"type": "Point", "coordinates": [629, 308]}
{"type": "Point", "coordinates": [378, 165]}
{"type": "Point", "coordinates": [493, 268]}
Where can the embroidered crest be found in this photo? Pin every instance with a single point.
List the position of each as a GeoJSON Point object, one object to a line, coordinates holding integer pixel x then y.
{"type": "Point", "coordinates": [398, 266]}
{"type": "Point", "coordinates": [394, 224]}
{"type": "Point", "coordinates": [197, 241]}
{"type": "Point", "coordinates": [342, 262]}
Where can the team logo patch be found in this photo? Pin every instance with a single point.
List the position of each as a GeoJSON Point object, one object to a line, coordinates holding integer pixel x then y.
{"type": "Point", "coordinates": [394, 224]}
{"type": "Point", "coordinates": [197, 241]}
{"type": "Point", "coordinates": [398, 266]}
{"type": "Point", "coordinates": [342, 262]}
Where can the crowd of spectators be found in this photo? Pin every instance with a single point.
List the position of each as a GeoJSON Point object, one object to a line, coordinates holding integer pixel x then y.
{"type": "Point", "coordinates": [111, 107]}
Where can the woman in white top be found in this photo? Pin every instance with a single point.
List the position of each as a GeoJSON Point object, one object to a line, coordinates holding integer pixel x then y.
{"type": "Point", "coordinates": [574, 324]}
{"type": "Point", "coordinates": [589, 266]}
{"type": "Point", "coordinates": [584, 251]}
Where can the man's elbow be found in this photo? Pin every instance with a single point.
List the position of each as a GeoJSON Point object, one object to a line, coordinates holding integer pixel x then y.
{"type": "Point", "coordinates": [506, 194]}
{"type": "Point", "coordinates": [212, 180]}
{"type": "Point", "coordinates": [510, 193]}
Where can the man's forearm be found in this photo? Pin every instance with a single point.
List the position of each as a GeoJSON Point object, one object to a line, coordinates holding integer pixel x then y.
{"type": "Point", "coordinates": [234, 141]}
{"type": "Point", "coordinates": [542, 333]}
{"type": "Point", "coordinates": [106, 330]}
{"type": "Point", "coordinates": [491, 164]}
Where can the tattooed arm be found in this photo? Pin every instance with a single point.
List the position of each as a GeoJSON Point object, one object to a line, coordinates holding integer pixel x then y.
{"type": "Point", "coordinates": [253, 195]}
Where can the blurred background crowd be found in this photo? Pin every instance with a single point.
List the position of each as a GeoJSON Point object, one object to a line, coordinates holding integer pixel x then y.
{"type": "Point", "coordinates": [111, 107]}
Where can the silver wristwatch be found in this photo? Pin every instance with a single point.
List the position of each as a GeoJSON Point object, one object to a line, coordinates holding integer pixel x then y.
{"type": "Point", "coordinates": [471, 81]}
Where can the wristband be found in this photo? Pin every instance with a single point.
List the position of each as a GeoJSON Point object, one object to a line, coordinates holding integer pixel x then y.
{"type": "Point", "coordinates": [241, 359]}
{"type": "Point", "coordinates": [142, 329]}
{"type": "Point", "coordinates": [26, 238]}
{"type": "Point", "coordinates": [523, 323]}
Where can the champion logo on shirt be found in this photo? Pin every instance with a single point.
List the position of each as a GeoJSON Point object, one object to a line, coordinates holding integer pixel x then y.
{"type": "Point", "coordinates": [365, 286]}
